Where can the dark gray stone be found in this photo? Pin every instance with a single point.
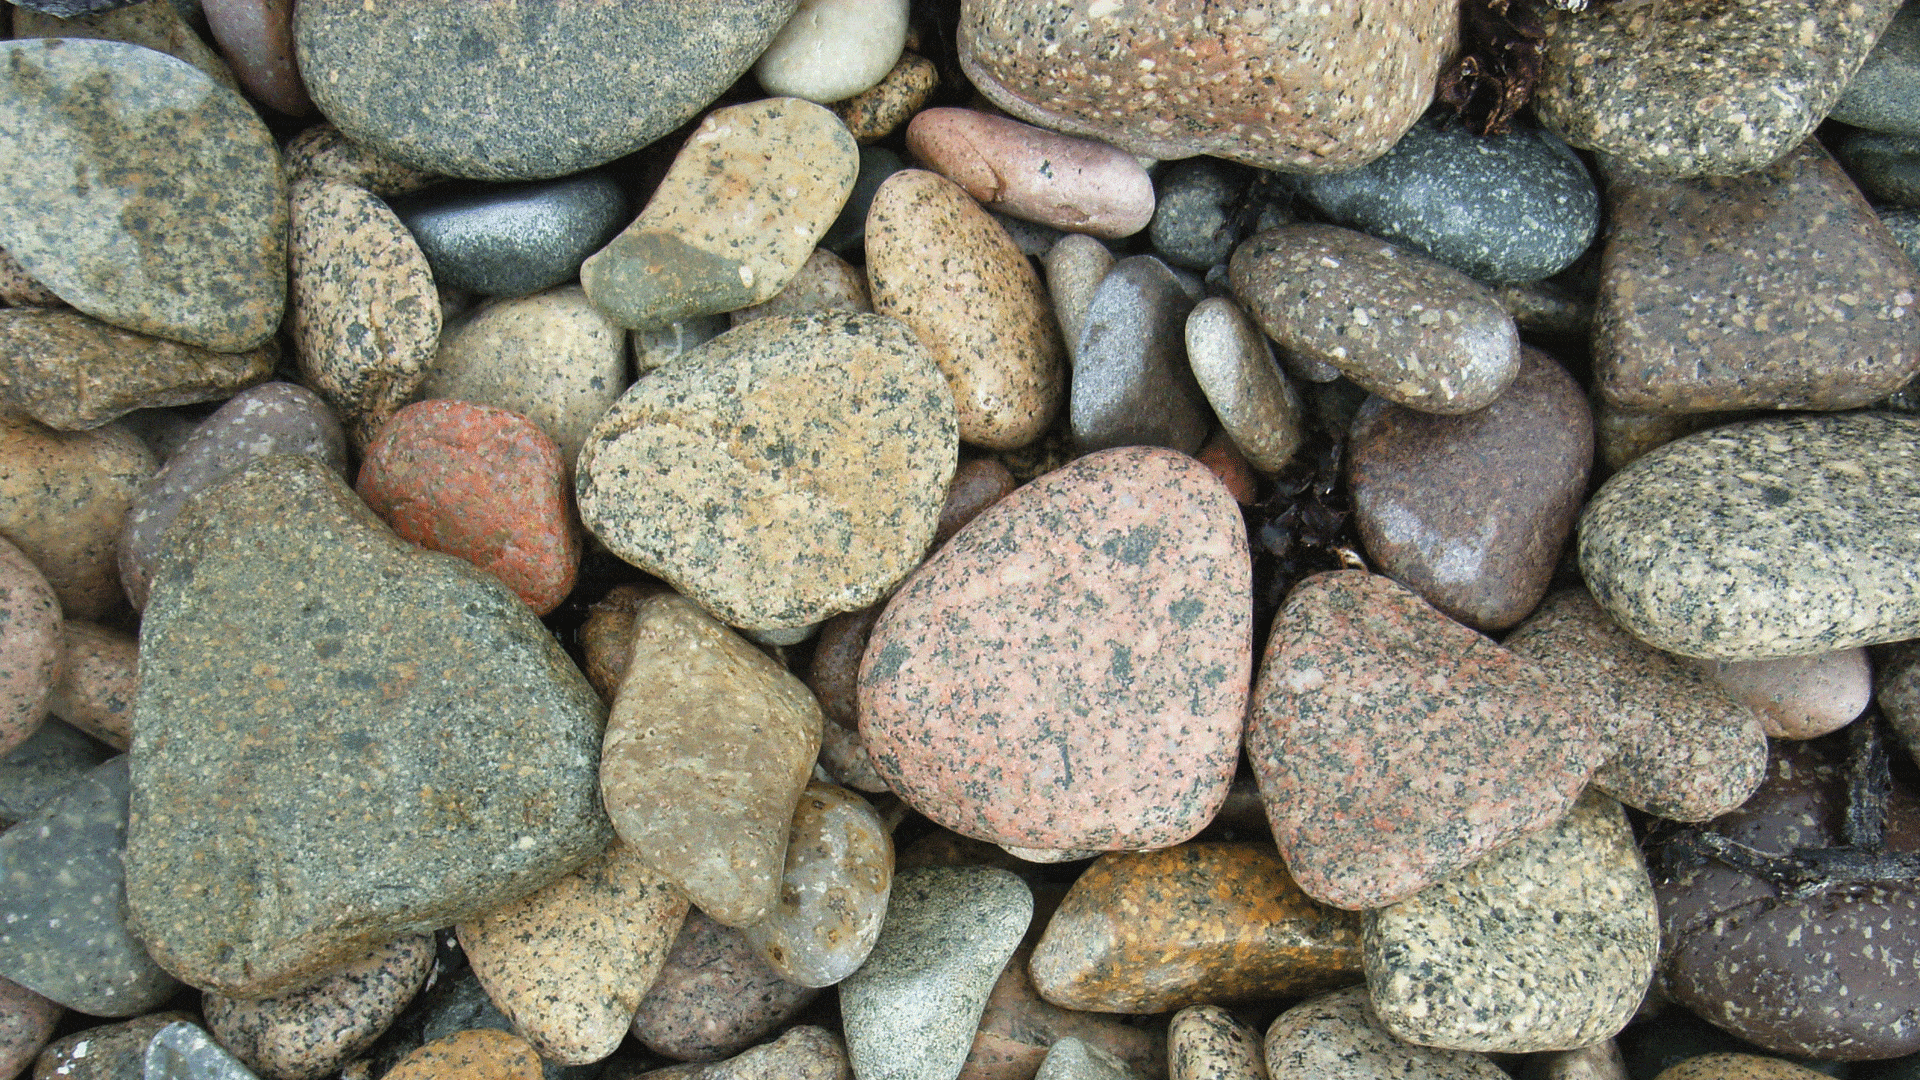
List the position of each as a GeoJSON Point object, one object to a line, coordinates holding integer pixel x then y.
{"type": "Point", "coordinates": [50, 761]}
{"type": "Point", "coordinates": [340, 738]}
{"type": "Point", "coordinates": [847, 236]}
{"type": "Point", "coordinates": [182, 1051]}
{"type": "Point", "coordinates": [1131, 383]}
{"type": "Point", "coordinates": [63, 928]}
{"type": "Point", "coordinates": [67, 9]}
{"type": "Point", "coordinates": [511, 241]}
{"type": "Point", "coordinates": [1904, 224]}
{"type": "Point", "coordinates": [1502, 208]}
{"type": "Point", "coordinates": [1885, 93]}
{"type": "Point", "coordinates": [1195, 206]}
{"type": "Point", "coordinates": [1886, 167]}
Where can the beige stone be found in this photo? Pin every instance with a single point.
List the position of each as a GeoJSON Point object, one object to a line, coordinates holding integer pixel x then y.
{"type": "Point", "coordinates": [477, 1054]}
{"type": "Point", "coordinates": [72, 372]}
{"type": "Point", "coordinates": [1799, 697]}
{"type": "Point", "coordinates": [99, 682]}
{"type": "Point", "coordinates": [63, 498]}
{"type": "Point", "coordinates": [826, 282]}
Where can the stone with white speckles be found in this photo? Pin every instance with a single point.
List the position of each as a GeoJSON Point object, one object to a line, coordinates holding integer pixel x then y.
{"type": "Point", "coordinates": [833, 895]}
{"type": "Point", "coordinates": [1737, 1067]}
{"type": "Point", "coordinates": [106, 1052]}
{"type": "Point", "coordinates": [1206, 1042]}
{"type": "Point", "coordinates": [184, 1051]}
{"type": "Point", "coordinates": [1337, 1035]}
{"type": "Point", "coordinates": [311, 1032]}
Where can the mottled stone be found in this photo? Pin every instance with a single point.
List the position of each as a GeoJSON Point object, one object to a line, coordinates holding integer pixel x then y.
{"type": "Point", "coordinates": [1075, 267]}
{"type": "Point", "coordinates": [1701, 88]}
{"type": "Point", "coordinates": [479, 1054]}
{"type": "Point", "coordinates": [745, 201]}
{"type": "Point", "coordinates": [506, 79]}
{"type": "Point", "coordinates": [98, 682]}
{"type": "Point", "coordinates": [1471, 511]}
{"type": "Point", "coordinates": [323, 152]}
{"type": "Point", "coordinates": [876, 113]}
{"type": "Point", "coordinates": [984, 315]}
{"type": "Point", "coordinates": [310, 1033]}
{"type": "Point", "coordinates": [1071, 1059]}
{"type": "Point", "coordinates": [1710, 298]}
{"type": "Point", "coordinates": [166, 221]}
{"type": "Point", "coordinates": [31, 646]}
{"type": "Point", "coordinates": [1275, 85]}
{"type": "Point", "coordinates": [1146, 932]}
{"type": "Point", "coordinates": [1070, 671]}
{"type": "Point", "coordinates": [63, 497]}
{"type": "Point", "coordinates": [514, 240]}
{"type": "Point", "coordinates": [606, 638]}
{"type": "Point", "coordinates": [833, 49]}
{"type": "Point", "coordinates": [1547, 307]}
{"type": "Point", "coordinates": [72, 372]}
{"type": "Point", "coordinates": [27, 1022]}
{"type": "Point", "coordinates": [976, 485]}
{"type": "Point", "coordinates": [1501, 208]}
{"type": "Point", "coordinates": [1196, 211]}
{"type": "Point", "coordinates": [19, 289]}
{"type": "Point", "coordinates": [109, 1052]}
{"type": "Point", "coordinates": [1667, 544]}
{"type": "Point", "coordinates": [1079, 185]}
{"type": "Point", "coordinates": [1206, 1042]}
{"type": "Point", "coordinates": [1677, 745]}
{"type": "Point", "coordinates": [1255, 401]}
{"type": "Point", "coordinates": [159, 25]}
{"type": "Point", "coordinates": [1800, 697]}
{"type": "Point", "coordinates": [833, 895]}
{"type": "Point", "coordinates": [1623, 435]}
{"type": "Point", "coordinates": [1131, 383]}
{"type": "Point", "coordinates": [719, 474]}
{"type": "Point", "coordinates": [1018, 1027]}
{"type": "Point", "coordinates": [294, 798]}
{"type": "Point", "coordinates": [910, 1012]}
{"type": "Point", "coordinates": [568, 964]}
{"type": "Point", "coordinates": [657, 346]}
{"type": "Point", "coordinates": [1601, 1061]}
{"type": "Point", "coordinates": [1337, 1035]}
{"type": "Point", "coordinates": [707, 753]}
{"type": "Point", "coordinates": [1884, 93]}
{"type": "Point", "coordinates": [714, 996]}
{"type": "Point", "coordinates": [826, 282]}
{"type": "Point", "coordinates": [805, 1052]}
{"type": "Point", "coordinates": [257, 38]}
{"type": "Point", "coordinates": [1410, 329]}
{"type": "Point", "coordinates": [184, 1051]}
{"type": "Point", "coordinates": [36, 771]}
{"type": "Point", "coordinates": [1737, 1067]}
{"type": "Point", "coordinates": [1394, 746]}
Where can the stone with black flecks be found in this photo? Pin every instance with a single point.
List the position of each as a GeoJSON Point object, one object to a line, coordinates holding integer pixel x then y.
{"type": "Point", "coordinates": [1206, 1042]}
{"type": "Point", "coordinates": [714, 996]}
{"type": "Point", "coordinates": [1131, 383]}
{"type": "Point", "coordinates": [311, 1032]}
{"type": "Point", "coordinates": [1337, 1034]}
{"type": "Point", "coordinates": [833, 893]}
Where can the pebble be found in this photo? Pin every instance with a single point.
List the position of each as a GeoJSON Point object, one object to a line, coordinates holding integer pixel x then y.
{"type": "Point", "coordinates": [1820, 494]}
{"type": "Point", "coordinates": [606, 638]}
{"type": "Point", "coordinates": [1736, 1067]}
{"type": "Point", "coordinates": [1131, 382]}
{"type": "Point", "coordinates": [1336, 1034]}
{"type": "Point", "coordinates": [876, 113]}
{"type": "Point", "coordinates": [1500, 208]}
{"type": "Point", "coordinates": [1087, 634]}
{"type": "Point", "coordinates": [257, 38]}
{"type": "Point", "coordinates": [977, 484]}
{"type": "Point", "coordinates": [1155, 931]}
{"type": "Point", "coordinates": [1547, 944]}
{"type": "Point", "coordinates": [1886, 167]}
{"type": "Point", "coordinates": [1883, 94]}
{"type": "Point", "coordinates": [251, 765]}
{"type": "Point", "coordinates": [1412, 330]}
{"type": "Point", "coordinates": [1019, 1026]}
{"type": "Point", "coordinates": [1601, 1061]}
{"type": "Point", "coordinates": [518, 239]}
{"type": "Point", "coordinates": [31, 646]}
{"type": "Point", "coordinates": [833, 895]}
{"type": "Point", "coordinates": [68, 9]}
{"type": "Point", "coordinates": [323, 152]}
{"type": "Point", "coordinates": [1471, 511]}
{"type": "Point", "coordinates": [1078, 185]}
{"type": "Point", "coordinates": [159, 25]}
{"type": "Point", "coordinates": [1197, 204]}
{"type": "Point", "coordinates": [781, 168]}
{"type": "Point", "coordinates": [910, 1012]}
{"type": "Point", "coordinates": [657, 346]}
{"type": "Point", "coordinates": [63, 498]}
{"type": "Point", "coordinates": [1253, 399]}
{"type": "Point", "coordinates": [1693, 317]}
{"type": "Point", "coordinates": [196, 191]}
{"type": "Point", "coordinates": [98, 682]}
{"type": "Point", "coordinates": [569, 963]}
{"type": "Point", "coordinates": [184, 1051]}
{"type": "Point", "coordinates": [1206, 1042]}
{"type": "Point", "coordinates": [365, 316]}
{"type": "Point", "coordinates": [826, 282]}
{"type": "Point", "coordinates": [19, 289]}
{"type": "Point", "coordinates": [72, 372]}
{"type": "Point", "coordinates": [108, 1052]}
{"type": "Point", "coordinates": [64, 932]}
{"type": "Point", "coordinates": [27, 1023]}
{"type": "Point", "coordinates": [834, 678]}
{"type": "Point", "coordinates": [509, 95]}
{"type": "Point", "coordinates": [1800, 697]}
{"type": "Point", "coordinates": [1075, 267]}
{"type": "Point", "coordinates": [830, 50]}
{"type": "Point", "coordinates": [1297, 88]}
{"type": "Point", "coordinates": [1701, 90]}
{"type": "Point", "coordinates": [1071, 1059]}
{"type": "Point", "coordinates": [311, 1032]}
{"type": "Point", "coordinates": [46, 763]}
{"type": "Point", "coordinates": [481, 483]}
{"type": "Point", "coordinates": [1394, 746]}
{"type": "Point", "coordinates": [706, 756]}
{"type": "Point", "coordinates": [714, 996]}
{"type": "Point", "coordinates": [479, 1054]}
{"type": "Point", "coordinates": [984, 317]}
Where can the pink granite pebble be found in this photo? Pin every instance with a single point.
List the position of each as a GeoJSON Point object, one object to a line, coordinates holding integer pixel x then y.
{"type": "Point", "coordinates": [27, 1021]}
{"type": "Point", "coordinates": [30, 646]}
{"type": "Point", "coordinates": [482, 483]}
{"type": "Point", "coordinates": [1071, 670]}
{"type": "Point", "coordinates": [1078, 185]}
{"type": "Point", "coordinates": [257, 38]}
{"type": "Point", "coordinates": [1799, 697]}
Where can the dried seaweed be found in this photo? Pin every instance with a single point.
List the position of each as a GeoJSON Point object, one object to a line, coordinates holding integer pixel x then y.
{"type": "Point", "coordinates": [1503, 53]}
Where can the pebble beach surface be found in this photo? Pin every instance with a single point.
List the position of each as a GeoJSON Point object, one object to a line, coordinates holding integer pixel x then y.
{"type": "Point", "coordinates": [938, 539]}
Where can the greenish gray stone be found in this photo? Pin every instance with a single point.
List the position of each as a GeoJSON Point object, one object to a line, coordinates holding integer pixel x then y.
{"type": "Point", "coordinates": [51, 760]}
{"type": "Point", "coordinates": [1071, 1059]}
{"type": "Point", "coordinates": [1886, 167]}
{"type": "Point", "coordinates": [340, 738]}
{"type": "Point", "coordinates": [1885, 93]}
{"type": "Point", "coordinates": [142, 192]}
{"type": "Point", "coordinates": [182, 1051]}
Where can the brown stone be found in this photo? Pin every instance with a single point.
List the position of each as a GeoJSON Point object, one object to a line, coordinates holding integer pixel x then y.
{"type": "Point", "coordinates": [322, 152]}
{"type": "Point", "coordinates": [715, 996]}
{"type": "Point", "coordinates": [99, 682]}
{"type": "Point", "coordinates": [108, 1052]}
{"type": "Point", "coordinates": [63, 498]}
{"type": "Point", "coordinates": [825, 282]}
{"type": "Point", "coordinates": [606, 638]}
{"type": "Point", "coordinates": [1737, 1067]}
{"type": "Point", "coordinates": [1019, 1027]}
{"type": "Point", "coordinates": [478, 1054]}
{"type": "Point", "coordinates": [874, 114]}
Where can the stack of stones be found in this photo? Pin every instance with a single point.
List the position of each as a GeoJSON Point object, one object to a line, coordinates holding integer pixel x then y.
{"type": "Point", "coordinates": [997, 539]}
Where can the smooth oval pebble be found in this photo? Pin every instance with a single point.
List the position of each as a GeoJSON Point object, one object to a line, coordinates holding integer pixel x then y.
{"type": "Point", "coordinates": [1034, 174]}
{"type": "Point", "coordinates": [98, 682]}
{"type": "Point", "coordinates": [833, 895]}
{"type": "Point", "coordinates": [184, 1051]}
{"type": "Point", "coordinates": [63, 499]}
{"type": "Point", "coordinates": [833, 49]}
{"type": "Point", "coordinates": [1736, 1067]}
{"type": "Point", "coordinates": [257, 38]}
{"type": "Point", "coordinates": [1336, 1035]}
{"type": "Point", "coordinates": [1075, 267]}
{"type": "Point", "coordinates": [514, 240]}
{"type": "Point", "coordinates": [479, 1054]}
{"type": "Point", "coordinates": [714, 996]}
{"type": "Point", "coordinates": [311, 1032]}
{"type": "Point", "coordinates": [32, 646]}
{"type": "Point", "coordinates": [1206, 1042]}
{"type": "Point", "coordinates": [1252, 397]}
{"type": "Point", "coordinates": [1800, 697]}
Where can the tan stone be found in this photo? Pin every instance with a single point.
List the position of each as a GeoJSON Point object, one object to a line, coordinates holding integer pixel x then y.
{"type": "Point", "coordinates": [63, 498]}
{"type": "Point", "coordinates": [877, 113]}
{"type": "Point", "coordinates": [478, 1054]}
{"type": "Point", "coordinates": [99, 682]}
{"type": "Point", "coordinates": [1019, 1027]}
{"type": "Point", "coordinates": [72, 372]}
{"type": "Point", "coordinates": [1736, 1067]}
{"type": "Point", "coordinates": [151, 24]}
{"type": "Point", "coordinates": [826, 282]}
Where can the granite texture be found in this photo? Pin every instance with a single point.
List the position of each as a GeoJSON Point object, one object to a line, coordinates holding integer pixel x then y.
{"type": "Point", "coordinates": [714, 996]}
{"type": "Point", "coordinates": [310, 1033]}
{"type": "Point", "coordinates": [63, 497]}
{"type": "Point", "coordinates": [160, 25]}
{"type": "Point", "coordinates": [1206, 1042]}
{"type": "Point", "coordinates": [1018, 1027]}
{"type": "Point", "coordinates": [1196, 210]}
{"type": "Point", "coordinates": [1154, 931]}
{"type": "Point", "coordinates": [523, 90]}
{"type": "Point", "coordinates": [37, 770]}
{"type": "Point", "coordinates": [294, 798]}
{"type": "Point", "coordinates": [833, 894]}
{"type": "Point", "coordinates": [879, 111]}
{"type": "Point", "coordinates": [825, 282]}
{"type": "Point", "coordinates": [1079, 185]}
{"type": "Point", "coordinates": [19, 289]}
{"type": "Point", "coordinates": [32, 646]}
{"type": "Point", "coordinates": [1276, 85]}
{"type": "Point", "coordinates": [478, 1054]}
{"type": "Point", "coordinates": [721, 474]}
{"type": "Point", "coordinates": [1070, 671]}
{"type": "Point", "coordinates": [165, 219]}
{"type": "Point", "coordinates": [1251, 396]}
{"type": "Point", "coordinates": [1668, 544]}
{"type": "Point", "coordinates": [1337, 1035]}
{"type": "Point", "coordinates": [1884, 95]}
{"type": "Point", "coordinates": [1737, 1067]}
{"type": "Point", "coordinates": [1131, 383]}
{"type": "Point", "coordinates": [804, 1052]}
{"type": "Point", "coordinates": [184, 1051]}
{"type": "Point", "coordinates": [1412, 330]}
{"type": "Point", "coordinates": [98, 682]}
{"type": "Point", "coordinates": [1394, 746]}
{"type": "Point", "coordinates": [1071, 1059]}
{"type": "Point", "coordinates": [1775, 290]}
{"type": "Point", "coordinates": [324, 152]}
{"type": "Point", "coordinates": [511, 241]}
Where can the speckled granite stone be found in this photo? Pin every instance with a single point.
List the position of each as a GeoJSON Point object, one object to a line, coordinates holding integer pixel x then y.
{"type": "Point", "coordinates": [31, 646]}
{"type": "Point", "coordinates": [506, 78]}
{"type": "Point", "coordinates": [720, 474]}
{"type": "Point", "coordinates": [1701, 87]}
{"type": "Point", "coordinates": [1071, 1059]}
{"type": "Point", "coordinates": [984, 315]}
{"type": "Point", "coordinates": [108, 1052]}
{"type": "Point", "coordinates": [1549, 943]}
{"type": "Point", "coordinates": [72, 372]}
{"type": "Point", "coordinates": [804, 1052]}
{"type": "Point", "coordinates": [1884, 93]}
{"type": "Point", "coordinates": [1415, 331]}
{"type": "Point", "coordinates": [873, 114]}
{"type": "Point", "coordinates": [1070, 671]}
{"type": "Point", "coordinates": [27, 1022]}
{"type": "Point", "coordinates": [910, 1012]}
{"type": "Point", "coordinates": [63, 926]}
{"type": "Point", "coordinates": [98, 682]}
{"type": "Point", "coordinates": [1034, 174]}
{"type": "Point", "coordinates": [1394, 746]}
{"type": "Point", "coordinates": [1737, 1067]}
{"type": "Point", "coordinates": [1623, 435]}
{"type": "Point", "coordinates": [1146, 932]}
{"type": "Point", "coordinates": [826, 282]}
{"type": "Point", "coordinates": [1799, 697]}
{"type": "Point", "coordinates": [1677, 745]}
{"type": "Point", "coordinates": [1254, 400]}
{"type": "Point", "coordinates": [63, 497]}
{"type": "Point", "coordinates": [1131, 384]}
{"type": "Point", "coordinates": [1337, 1035]}
{"type": "Point", "coordinates": [1502, 208]}
{"type": "Point", "coordinates": [1018, 1026]}
{"type": "Point", "coordinates": [1471, 511]}
{"type": "Point", "coordinates": [1667, 544]}
{"type": "Point", "coordinates": [1075, 267]}
{"type": "Point", "coordinates": [184, 1051]}
{"type": "Point", "coordinates": [714, 996]}
{"type": "Point", "coordinates": [159, 25]}
{"type": "Point", "coordinates": [477, 1054]}
{"type": "Point", "coordinates": [310, 1033]}
{"type": "Point", "coordinates": [1206, 1042]}
{"type": "Point", "coordinates": [36, 771]}
{"type": "Point", "coordinates": [568, 964]}
{"type": "Point", "coordinates": [170, 222]}
{"type": "Point", "coordinates": [511, 241]}
{"type": "Point", "coordinates": [707, 752]}
{"type": "Point", "coordinates": [1601, 1061]}
{"type": "Point", "coordinates": [294, 801]}
{"type": "Point", "coordinates": [833, 895]}
{"type": "Point", "coordinates": [323, 152]}
{"type": "Point", "coordinates": [1776, 290]}
{"type": "Point", "coordinates": [1276, 85]}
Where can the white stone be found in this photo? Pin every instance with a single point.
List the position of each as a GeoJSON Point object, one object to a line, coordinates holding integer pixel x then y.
{"type": "Point", "coordinates": [834, 49]}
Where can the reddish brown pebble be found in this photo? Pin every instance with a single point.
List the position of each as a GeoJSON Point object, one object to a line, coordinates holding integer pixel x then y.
{"type": "Point", "coordinates": [482, 483]}
{"type": "Point", "coordinates": [874, 114]}
{"type": "Point", "coordinates": [1799, 697]}
{"type": "Point", "coordinates": [606, 638]}
{"type": "Point", "coordinates": [1230, 465]}
{"type": "Point", "coordinates": [834, 678]}
{"type": "Point", "coordinates": [1019, 1027]}
{"type": "Point", "coordinates": [257, 36]}
{"type": "Point", "coordinates": [1078, 185]}
{"type": "Point", "coordinates": [714, 996]}
{"type": "Point", "coordinates": [479, 1054]}
{"type": "Point", "coordinates": [63, 498]}
{"type": "Point", "coordinates": [977, 484]}
{"type": "Point", "coordinates": [27, 1021]}
{"type": "Point", "coordinates": [98, 682]}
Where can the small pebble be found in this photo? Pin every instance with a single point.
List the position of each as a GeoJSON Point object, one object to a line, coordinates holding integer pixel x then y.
{"type": "Point", "coordinates": [826, 282]}
{"type": "Point", "coordinates": [1197, 202]}
{"type": "Point", "coordinates": [32, 647]}
{"type": "Point", "coordinates": [27, 1023]}
{"type": "Point", "coordinates": [1800, 697]}
{"type": "Point", "coordinates": [480, 1054]}
{"type": "Point", "coordinates": [324, 152]}
{"type": "Point", "coordinates": [1132, 385]}
{"type": "Point", "coordinates": [108, 1052]}
{"type": "Point", "coordinates": [36, 771]}
{"type": "Point", "coordinates": [184, 1051]}
{"type": "Point", "coordinates": [257, 38]}
{"type": "Point", "coordinates": [1253, 399]}
{"type": "Point", "coordinates": [64, 497]}
{"type": "Point", "coordinates": [511, 241]}
{"type": "Point", "coordinates": [875, 113]}
{"type": "Point", "coordinates": [1206, 1042]}
{"type": "Point", "coordinates": [1019, 1026]}
{"type": "Point", "coordinates": [1337, 1035]}
{"type": "Point", "coordinates": [1071, 1059]}
{"type": "Point", "coordinates": [1883, 95]}
{"type": "Point", "coordinates": [1030, 173]}
{"type": "Point", "coordinates": [714, 996]}
{"type": "Point", "coordinates": [833, 49]}
{"type": "Point", "coordinates": [98, 682]}
{"type": "Point", "coordinates": [833, 894]}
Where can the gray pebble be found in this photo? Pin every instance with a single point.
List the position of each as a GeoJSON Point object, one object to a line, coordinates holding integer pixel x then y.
{"type": "Point", "coordinates": [1131, 383]}
{"type": "Point", "coordinates": [714, 996]}
{"type": "Point", "coordinates": [511, 241]}
{"type": "Point", "coordinates": [1886, 167]}
{"type": "Point", "coordinates": [50, 761]}
{"type": "Point", "coordinates": [1193, 216]}
{"type": "Point", "coordinates": [182, 1051]}
{"type": "Point", "coordinates": [1885, 93]}
{"type": "Point", "coordinates": [1071, 1059]}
